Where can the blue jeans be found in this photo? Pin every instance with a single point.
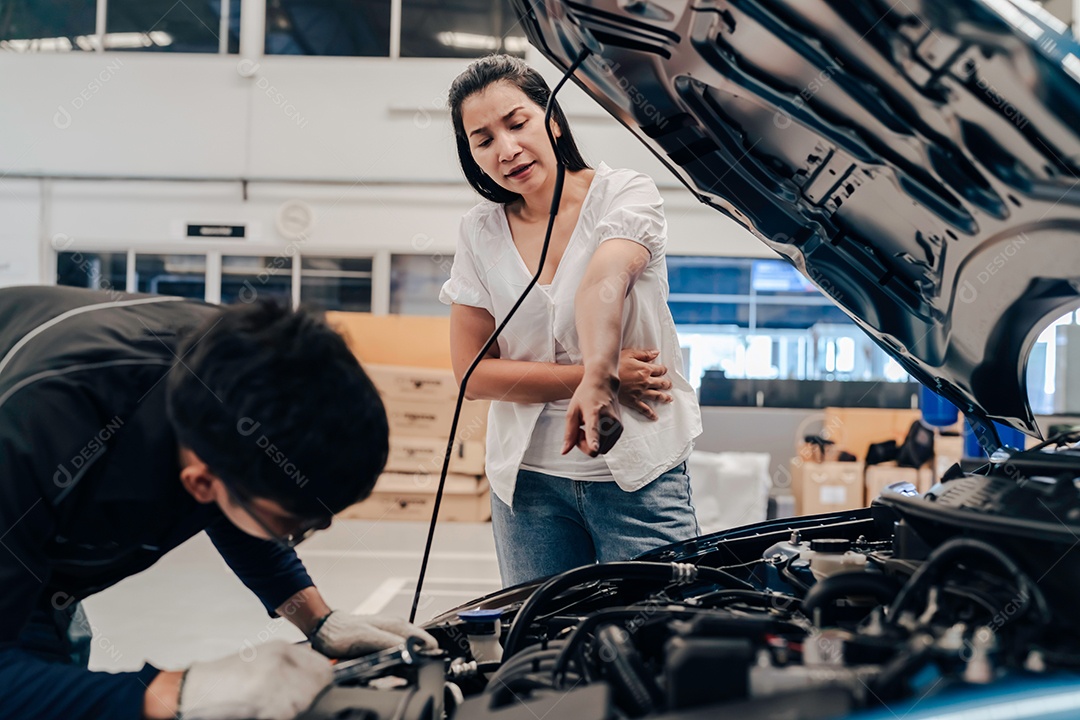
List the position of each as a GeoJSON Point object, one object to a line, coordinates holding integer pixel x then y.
{"type": "Point", "coordinates": [558, 524]}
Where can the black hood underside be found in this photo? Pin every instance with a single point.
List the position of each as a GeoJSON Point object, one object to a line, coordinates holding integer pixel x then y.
{"type": "Point", "coordinates": [917, 161]}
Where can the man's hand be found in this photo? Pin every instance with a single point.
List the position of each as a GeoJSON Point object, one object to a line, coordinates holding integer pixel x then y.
{"type": "Point", "coordinates": [276, 681]}
{"type": "Point", "coordinates": [344, 636]}
{"type": "Point", "coordinates": [641, 380]}
{"type": "Point", "coordinates": [592, 420]}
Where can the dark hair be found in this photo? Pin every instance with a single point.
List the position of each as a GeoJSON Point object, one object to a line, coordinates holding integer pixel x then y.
{"type": "Point", "coordinates": [479, 75]}
{"type": "Point", "coordinates": [277, 406]}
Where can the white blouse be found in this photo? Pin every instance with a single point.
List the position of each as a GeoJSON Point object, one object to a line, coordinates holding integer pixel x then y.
{"type": "Point", "coordinates": [488, 273]}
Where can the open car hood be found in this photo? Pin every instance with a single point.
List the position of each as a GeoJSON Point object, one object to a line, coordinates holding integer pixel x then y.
{"type": "Point", "coordinates": [917, 161]}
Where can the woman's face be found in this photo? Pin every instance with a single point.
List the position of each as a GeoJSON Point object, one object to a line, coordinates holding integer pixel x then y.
{"type": "Point", "coordinates": [506, 135]}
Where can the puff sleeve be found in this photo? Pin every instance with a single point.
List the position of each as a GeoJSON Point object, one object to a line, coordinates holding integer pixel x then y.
{"type": "Point", "coordinates": [466, 285]}
{"type": "Point", "coordinates": [636, 214]}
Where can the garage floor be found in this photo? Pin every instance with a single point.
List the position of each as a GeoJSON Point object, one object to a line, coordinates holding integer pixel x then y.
{"type": "Point", "coordinates": [191, 607]}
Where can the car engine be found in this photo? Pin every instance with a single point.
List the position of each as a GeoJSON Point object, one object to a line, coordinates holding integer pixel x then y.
{"type": "Point", "coordinates": [816, 617]}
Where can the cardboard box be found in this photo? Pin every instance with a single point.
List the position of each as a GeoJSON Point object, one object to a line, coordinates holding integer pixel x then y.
{"type": "Point", "coordinates": [412, 418]}
{"type": "Point", "coordinates": [408, 482]}
{"type": "Point", "coordinates": [856, 429]}
{"type": "Point", "coordinates": [395, 339]}
{"type": "Point", "coordinates": [419, 384]}
{"type": "Point", "coordinates": [425, 455]}
{"type": "Point", "coordinates": [878, 477]}
{"type": "Point", "coordinates": [399, 496]}
{"type": "Point", "coordinates": [795, 468]}
{"type": "Point", "coordinates": [948, 450]}
{"type": "Point", "coordinates": [827, 486]}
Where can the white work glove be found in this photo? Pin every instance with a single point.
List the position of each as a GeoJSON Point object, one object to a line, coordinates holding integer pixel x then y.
{"type": "Point", "coordinates": [278, 681]}
{"type": "Point", "coordinates": [345, 636]}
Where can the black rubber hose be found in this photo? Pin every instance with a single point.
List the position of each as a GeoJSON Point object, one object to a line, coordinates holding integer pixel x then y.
{"type": "Point", "coordinates": [721, 598]}
{"type": "Point", "coordinates": [525, 662]}
{"type": "Point", "coordinates": [645, 571]}
{"type": "Point", "coordinates": [899, 670]}
{"type": "Point", "coordinates": [634, 692]}
{"type": "Point", "coordinates": [785, 571]}
{"type": "Point", "coordinates": [585, 627]}
{"type": "Point", "coordinates": [883, 588]}
{"type": "Point", "coordinates": [1029, 591]}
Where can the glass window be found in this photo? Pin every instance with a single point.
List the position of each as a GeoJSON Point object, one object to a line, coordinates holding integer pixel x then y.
{"type": "Point", "coordinates": [47, 25]}
{"type": "Point", "coordinates": [687, 312]}
{"type": "Point", "coordinates": [95, 270]}
{"type": "Point", "coordinates": [336, 283]}
{"type": "Point", "coordinates": [354, 28]}
{"type": "Point", "coordinates": [798, 315]}
{"type": "Point", "coordinates": [460, 28]}
{"type": "Point", "coordinates": [777, 277]}
{"type": "Point", "coordinates": [245, 278]}
{"type": "Point", "coordinates": [234, 26]}
{"type": "Point", "coordinates": [180, 275]}
{"type": "Point", "coordinates": [165, 25]}
{"type": "Point", "coordinates": [716, 276]}
{"type": "Point", "coordinates": [415, 282]}
{"type": "Point", "coordinates": [762, 319]}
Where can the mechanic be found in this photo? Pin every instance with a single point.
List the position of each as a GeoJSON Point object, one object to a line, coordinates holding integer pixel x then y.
{"type": "Point", "coordinates": [129, 423]}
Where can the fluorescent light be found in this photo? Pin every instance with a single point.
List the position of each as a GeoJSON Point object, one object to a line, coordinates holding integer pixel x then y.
{"type": "Point", "coordinates": [53, 44]}
{"type": "Point", "coordinates": [468, 41]}
{"type": "Point", "coordinates": [473, 41]}
{"type": "Point", "coordinates": [113, 41]}
{"type": "Point", "coordinates": [131, 40]}
{"type": "Point", "coordinates": [515, 44]}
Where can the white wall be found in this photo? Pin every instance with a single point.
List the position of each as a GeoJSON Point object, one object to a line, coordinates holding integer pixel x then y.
{"type": "Point", "coordinates": [20, 251]}
{"type": "Point", "coordinates": [365, 142]}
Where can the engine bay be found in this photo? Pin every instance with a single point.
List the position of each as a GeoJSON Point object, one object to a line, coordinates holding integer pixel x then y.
{"type": "Point", "coordinates": [916, 597]}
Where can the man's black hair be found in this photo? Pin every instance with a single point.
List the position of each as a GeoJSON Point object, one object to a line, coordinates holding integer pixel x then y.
{"type": "Point", "coordinates": [478, 76]}
{"type": "Point", "coordinates": [277, 406]}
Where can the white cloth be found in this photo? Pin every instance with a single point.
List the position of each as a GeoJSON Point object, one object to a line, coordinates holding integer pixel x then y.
{"type": "Point", "coordinates": [488, 273]}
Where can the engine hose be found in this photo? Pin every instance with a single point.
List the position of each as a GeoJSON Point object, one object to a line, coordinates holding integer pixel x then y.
{"type": "Point", "coordinates": [585, 627]}
{"type": "Point", "coordinates": [634, 692]}
{"type": "Point", "coordinates": [721, 598]}
{"type": "Point", "coordinates": [883, 588]}
{"type": "Point", "coordinates": [901, 668]}
{"type": "Point", "coordinates": [785, 572]}
{"type": "Point", "coordinates": [1029, 591]}
{"type": "Point", "coordinates": [667, 573]}
{"type": "Point", "coordinates": [529, 658]}
{"type": "Point", "coordinates": [525, 662]}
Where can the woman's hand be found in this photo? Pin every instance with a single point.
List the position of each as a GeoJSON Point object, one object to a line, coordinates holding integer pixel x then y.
{"type": "Point", "coordinates": [592, 420]}
{"type": "Point", "coordinates": [640, 380]}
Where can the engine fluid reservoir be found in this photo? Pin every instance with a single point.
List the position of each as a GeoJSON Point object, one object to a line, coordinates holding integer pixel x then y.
{"type": "Point", "coordinates": [825, 564]}
{"type": "Point", "coordinates": [483, 629]}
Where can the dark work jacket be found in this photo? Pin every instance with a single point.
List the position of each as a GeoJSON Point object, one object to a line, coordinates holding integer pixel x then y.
{"type": "Point", "coordinates": [89, 481]}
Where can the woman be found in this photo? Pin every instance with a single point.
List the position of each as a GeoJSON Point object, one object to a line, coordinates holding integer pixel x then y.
{"type": "Point", "coordinates": [557, 374]}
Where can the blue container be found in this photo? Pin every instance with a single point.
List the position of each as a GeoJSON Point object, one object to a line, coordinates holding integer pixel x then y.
{"type": "Point", "coordinates": [936, 410]}
{"type": "Point", "coordinates": [1008, 436]}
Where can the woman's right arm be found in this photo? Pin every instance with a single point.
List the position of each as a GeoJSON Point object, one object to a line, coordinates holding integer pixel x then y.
{"type": "Point", "coordinates": [498, 379]}
{"type": "Point", "coordinates": [536, 382]}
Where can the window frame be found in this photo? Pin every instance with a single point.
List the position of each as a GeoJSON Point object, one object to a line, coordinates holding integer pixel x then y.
{"type": "Point", "coordinates": [214, 257]}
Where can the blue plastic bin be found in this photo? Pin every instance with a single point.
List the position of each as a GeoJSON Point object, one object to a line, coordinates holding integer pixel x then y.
{"type": "Point", "coordinates": [1009, 438]}
{"type": "Point", "coordinates": [936, 410]}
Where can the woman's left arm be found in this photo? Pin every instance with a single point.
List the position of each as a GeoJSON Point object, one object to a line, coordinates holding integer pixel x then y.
{"type": "Point", "coordinates": [592, 420]}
